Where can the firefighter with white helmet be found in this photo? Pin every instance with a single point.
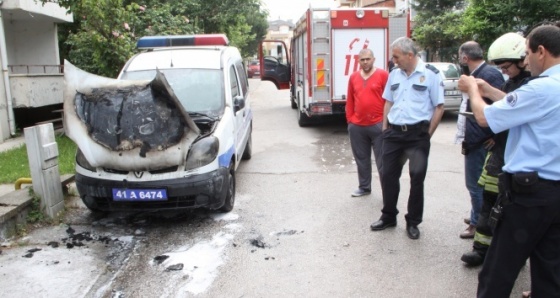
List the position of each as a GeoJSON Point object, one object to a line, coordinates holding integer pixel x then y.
{"type": "Point", "coordinates": [508, 53]}
{"type": "Point", "coordinates": [508, 47]}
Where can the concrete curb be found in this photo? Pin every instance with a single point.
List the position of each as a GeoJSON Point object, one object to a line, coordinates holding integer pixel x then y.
{"type": "Point", "coordinates": [14, 208]}
{"type": "Point", "coordinates": [15, 205]}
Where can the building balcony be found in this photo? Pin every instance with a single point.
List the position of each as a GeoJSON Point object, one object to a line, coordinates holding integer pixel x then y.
{"type": "Point", "coordinates": [34, 10]}
{"type": "Point", "coordinates": [34, 86]}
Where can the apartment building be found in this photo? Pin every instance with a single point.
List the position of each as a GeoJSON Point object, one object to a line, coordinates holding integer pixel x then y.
{"type": "Point", "coordinates": [32, 75]}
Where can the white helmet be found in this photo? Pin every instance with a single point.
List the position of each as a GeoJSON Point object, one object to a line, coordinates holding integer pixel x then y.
{"type": "Point", "coordinates": [510, 46]}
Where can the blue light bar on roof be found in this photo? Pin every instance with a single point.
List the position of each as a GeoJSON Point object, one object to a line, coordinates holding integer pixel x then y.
{"type": "Point", "coordinates": [150, 42]}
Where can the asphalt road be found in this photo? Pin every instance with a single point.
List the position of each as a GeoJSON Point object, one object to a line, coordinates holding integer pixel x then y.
{"type": "Point", "coordinates": [294, 232]}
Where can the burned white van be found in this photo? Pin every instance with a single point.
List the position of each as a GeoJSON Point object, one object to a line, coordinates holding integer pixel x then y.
{"type": "Point", "coordinates": [169, 133]}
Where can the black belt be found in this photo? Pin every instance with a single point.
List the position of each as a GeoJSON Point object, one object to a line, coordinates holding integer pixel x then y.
{"type": "Point", "coordinates": [541, 180]}
{"type": "Point", "coordinates": [407, 127]}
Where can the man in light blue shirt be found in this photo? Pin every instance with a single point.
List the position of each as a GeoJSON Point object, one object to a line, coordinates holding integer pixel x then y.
{"type": "Point", "coordinates": [528, 216]}
{"type": "Point", "coordinates": [412, 112]}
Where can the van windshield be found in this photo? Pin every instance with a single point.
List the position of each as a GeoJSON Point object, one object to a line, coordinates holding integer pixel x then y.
{"type": "Point", "coordinates": [199, 90]}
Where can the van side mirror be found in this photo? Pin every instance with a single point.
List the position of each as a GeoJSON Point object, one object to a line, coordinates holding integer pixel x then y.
{"type": "Point", "coordinates": [238, 103]}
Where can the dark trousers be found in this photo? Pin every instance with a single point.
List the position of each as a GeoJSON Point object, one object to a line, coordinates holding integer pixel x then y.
{"type": "Point", "coordinates": [482, 227]}
{"type": "Point", "coordinates": [362, 140]}
{"type": "Point", "coordinates": [398, 147]}
{"type": "Point", "coordinates": [529, 228]}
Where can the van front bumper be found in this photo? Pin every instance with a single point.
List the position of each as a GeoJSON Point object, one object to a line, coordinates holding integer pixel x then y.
{"type": "Point", "coordinates": [207, 190]}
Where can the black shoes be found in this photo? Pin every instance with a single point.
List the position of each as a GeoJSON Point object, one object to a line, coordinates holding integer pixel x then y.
{"type": "Point", "coordinates": [382, 225]}
{"type": "Point", "coordinates": [473, 258]}
{"type": "Point", "coordinates": [412, 231]}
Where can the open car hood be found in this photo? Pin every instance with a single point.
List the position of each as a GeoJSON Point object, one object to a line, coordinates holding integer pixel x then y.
{"type": "Point", "coordinates": [126, 125]}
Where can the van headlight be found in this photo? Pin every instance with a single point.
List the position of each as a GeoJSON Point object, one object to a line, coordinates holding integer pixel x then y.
{"type": "Point", "coordinates": [202, 153]}
{"type": "Point", "coordinates": [82, 161]}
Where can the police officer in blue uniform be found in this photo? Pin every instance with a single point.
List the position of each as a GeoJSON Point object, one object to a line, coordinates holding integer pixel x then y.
{"type": "Point", "coordinates": [413, 110]}
{"type": "Point", "coordinates": [528, 214]}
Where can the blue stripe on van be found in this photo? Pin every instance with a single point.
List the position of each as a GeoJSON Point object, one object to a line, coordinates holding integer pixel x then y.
{"type": "Point", "coordinates": [224, 159]}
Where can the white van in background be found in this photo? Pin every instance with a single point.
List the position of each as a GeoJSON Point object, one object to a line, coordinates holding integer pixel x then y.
{"type": "Point", "coordinates": [450, 74]}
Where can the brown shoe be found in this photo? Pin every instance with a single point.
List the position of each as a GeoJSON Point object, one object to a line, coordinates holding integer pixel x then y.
{"type": "Point", "coordinates": [467, 220]}
{"type": "Point", "coordinates": [468, 233]}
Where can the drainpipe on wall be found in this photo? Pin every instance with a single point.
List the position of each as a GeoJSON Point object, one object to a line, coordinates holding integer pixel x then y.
{"type": "Point", "coordinates": [5, 76]}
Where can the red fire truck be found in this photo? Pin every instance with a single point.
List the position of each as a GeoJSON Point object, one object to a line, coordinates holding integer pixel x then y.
{"type": "Point", "coordinates": [324, 52]}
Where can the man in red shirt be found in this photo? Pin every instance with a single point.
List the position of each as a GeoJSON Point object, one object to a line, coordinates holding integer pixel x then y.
{"type": "Point", "coordinates": [364, 113]}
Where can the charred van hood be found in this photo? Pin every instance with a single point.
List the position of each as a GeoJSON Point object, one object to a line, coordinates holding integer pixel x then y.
{"type": "Point", "coordinates": [126, 125]}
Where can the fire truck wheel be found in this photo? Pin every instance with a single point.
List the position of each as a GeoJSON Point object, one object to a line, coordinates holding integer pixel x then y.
{"type": "Point", "coordinates": [303, 119]}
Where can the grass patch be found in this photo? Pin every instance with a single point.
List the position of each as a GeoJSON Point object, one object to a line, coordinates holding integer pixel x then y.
{"type": "Point", "coordinates": [15, 165]}
{"type": "Point", "coordinates": [35, 215]}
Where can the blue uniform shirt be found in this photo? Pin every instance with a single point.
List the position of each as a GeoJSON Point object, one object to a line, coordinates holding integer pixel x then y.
{"type": "Point", "coordinates": [414, 97]}
{"type": "Point", "coordinates": [532, 115]}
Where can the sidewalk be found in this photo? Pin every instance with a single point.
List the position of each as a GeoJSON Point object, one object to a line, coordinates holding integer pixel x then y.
{"type": "Point", "coordinates": [12, 143]}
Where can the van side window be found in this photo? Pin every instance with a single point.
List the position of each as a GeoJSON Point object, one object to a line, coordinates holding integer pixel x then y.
{"type": "Point", "coordinates": [234, 85]}
{"type": "Point", "coordinates": [242, 77]}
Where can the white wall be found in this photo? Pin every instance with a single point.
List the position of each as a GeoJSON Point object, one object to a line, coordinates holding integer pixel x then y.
{"type": "Point", "coordinates": [36, 43]}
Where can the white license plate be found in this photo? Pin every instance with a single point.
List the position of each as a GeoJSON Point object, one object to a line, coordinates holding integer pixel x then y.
{"type": "Point", "coordinates": [453, 92]}
{"type": "Point", "coordinates": [120, 194]}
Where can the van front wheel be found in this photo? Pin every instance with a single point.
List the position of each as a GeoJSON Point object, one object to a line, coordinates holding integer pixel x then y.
{"type": "Point", "coordinates": [230, 196]}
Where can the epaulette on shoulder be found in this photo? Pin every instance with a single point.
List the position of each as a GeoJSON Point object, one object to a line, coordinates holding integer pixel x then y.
{"type": "Point", "coordinates": [432, 68]}
{"type": "Point", "coordinates": [527, 80]}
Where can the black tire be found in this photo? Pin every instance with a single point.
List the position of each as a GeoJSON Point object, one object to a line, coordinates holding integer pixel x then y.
{"type": "Point", "coordinates": [248, 152]}
{"type": "Point", "coordinates": [230, 196]}
{"type": "Point", "coordinates": [91, 207]}
{"type": "Point", "coordinates": [303, 119]}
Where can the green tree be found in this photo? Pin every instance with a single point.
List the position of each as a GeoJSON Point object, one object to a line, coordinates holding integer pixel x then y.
{"type": "Point", "coordinates": [242, 21]}
{"type": "Point", "coordinates": [485, 20]}
{"type": "Point", "coordinates": [104, 33]}
{"type": "Point", "coordinates": [102, 41]}
{"type": "Point", "coordinates": [437, 28]}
